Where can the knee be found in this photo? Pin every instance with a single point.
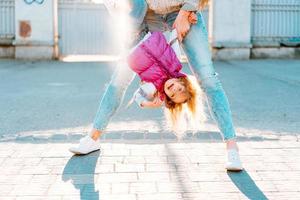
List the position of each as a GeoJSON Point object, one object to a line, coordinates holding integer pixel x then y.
{"type": "Point", "coordinates": [122, 77]}
{"type": "Point", "coordinates": [207, 76]}
{"type": "Point", "coordinates": [113, 94]}
{"type": "Point", "coordinates": [210, 82]}
{"type": "Point", "coordinates": [120, 83]}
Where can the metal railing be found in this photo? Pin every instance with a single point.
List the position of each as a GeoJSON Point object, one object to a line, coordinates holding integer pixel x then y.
{"type": "Point", "coordinates": [83, 28]}
{"type": "Point", "coordinates": [7, 20]}
{"type": "Point", "coordinates": [275, 22]}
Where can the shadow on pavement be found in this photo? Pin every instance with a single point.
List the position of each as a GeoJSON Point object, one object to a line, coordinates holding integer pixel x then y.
{"type": "Point", "coordinates": [123, 136]}
{"type": "Point", "coordinates": [80, 170]}
{"type": "Point", "coordinates": [246, 185]}
{"type": "Point", "coordinates": [180, 176]}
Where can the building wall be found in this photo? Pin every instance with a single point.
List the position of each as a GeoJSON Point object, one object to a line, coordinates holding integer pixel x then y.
{"type": "Point", "coordinates": [34, 25]}
{"type": "Point", "coordinates": [230, 29]}
{"type": "Point", "coordinates": [244, 29]}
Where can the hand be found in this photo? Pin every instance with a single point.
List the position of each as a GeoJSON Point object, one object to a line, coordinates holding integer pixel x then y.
{"type": "Point", "coordinates": [182, 24]}
{"type": "Point", "coordinates": [157, 102]}
{"type": "Point", "coordinates": [193, 18]}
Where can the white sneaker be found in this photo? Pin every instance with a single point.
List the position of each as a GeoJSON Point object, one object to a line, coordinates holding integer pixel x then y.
{"type": "Point", "coordinates": [86, 145]}
{"type": "Point", "coordinates": [233, 161]}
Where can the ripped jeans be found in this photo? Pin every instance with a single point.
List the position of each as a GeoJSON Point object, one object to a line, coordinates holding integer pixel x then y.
{"type": "Point", "coordinates": [196, 48]}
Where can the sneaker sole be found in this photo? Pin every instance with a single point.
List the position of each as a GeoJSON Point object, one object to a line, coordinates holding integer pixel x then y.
{"type": "Point", "coordinates": [79, 153]}
{"type": "Point", "coordinates": [234, 169]}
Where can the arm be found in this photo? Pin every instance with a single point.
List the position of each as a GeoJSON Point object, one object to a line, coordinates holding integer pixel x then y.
{"type": "Point", "coordinates": [152, 104]}
{"type": "Point", "coordinates": [144, 103]}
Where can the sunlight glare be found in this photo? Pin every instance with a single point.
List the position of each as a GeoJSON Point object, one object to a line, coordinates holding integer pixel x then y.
{"type": "Point", "coordinates": [119, 11]}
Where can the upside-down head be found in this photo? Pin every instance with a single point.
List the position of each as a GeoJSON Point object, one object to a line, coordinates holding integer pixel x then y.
{"type": "Point", "coordinates": [184, 104]}
{"type": "Point", "coordinates": [179, 91]}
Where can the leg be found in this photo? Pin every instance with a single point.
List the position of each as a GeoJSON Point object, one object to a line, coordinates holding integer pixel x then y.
{"type": "Point", "coordinates": [196, 48]}
{"type": "Point", "coordinates": [113, 95]}
{"type": "Point", "coordinates": [123, 76]}
{"type": "Point", "coordinates": [121, 79]}
{"type": "Point", "coordinates": [109, 104]}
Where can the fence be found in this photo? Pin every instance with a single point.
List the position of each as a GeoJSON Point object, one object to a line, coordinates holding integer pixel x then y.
{"type": "Point", "coordinates": [83, 25]}
{"type": "Point", "coordinates": [7, 20]}
{"type": "Point", "coordinates": [84, 28]}
{"type": "Point", "coordinates": [276, 22]}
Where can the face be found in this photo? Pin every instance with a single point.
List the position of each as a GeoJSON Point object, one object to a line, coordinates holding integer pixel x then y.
{"type": "Point", "coordinates": [175, 90]}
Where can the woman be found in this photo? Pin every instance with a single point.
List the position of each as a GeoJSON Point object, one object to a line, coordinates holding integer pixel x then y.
{"type": "Point", "coordinates": [159, 15]}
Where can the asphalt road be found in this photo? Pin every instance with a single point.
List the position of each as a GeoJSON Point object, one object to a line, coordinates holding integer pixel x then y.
{"type": "Point", "coordinates": [57, 96]}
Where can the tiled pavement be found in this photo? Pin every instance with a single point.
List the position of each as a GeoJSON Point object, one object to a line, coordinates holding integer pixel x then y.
{"type": "Point", "coordinates": [150, 169]}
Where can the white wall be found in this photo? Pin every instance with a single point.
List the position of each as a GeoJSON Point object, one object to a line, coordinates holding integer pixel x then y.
{"type": "Point", "coordinates": [39, 45]}
{"type": "Point", "coordinates": [231, 23]}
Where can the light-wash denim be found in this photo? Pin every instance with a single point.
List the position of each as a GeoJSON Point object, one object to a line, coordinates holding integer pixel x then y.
{"type": "Point", "coordinates": [196, 48]}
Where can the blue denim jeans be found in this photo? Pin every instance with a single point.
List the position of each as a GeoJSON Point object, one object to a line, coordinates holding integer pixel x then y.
{"type": "Point", "coordinates": [196, 48]}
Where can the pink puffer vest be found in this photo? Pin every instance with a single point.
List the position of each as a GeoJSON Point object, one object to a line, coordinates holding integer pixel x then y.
{"type": "Point", "coordinates": [155, 61]}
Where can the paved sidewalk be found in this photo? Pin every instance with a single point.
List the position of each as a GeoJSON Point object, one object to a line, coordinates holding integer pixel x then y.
{"type": "Point", "coordinates": [150, 169]}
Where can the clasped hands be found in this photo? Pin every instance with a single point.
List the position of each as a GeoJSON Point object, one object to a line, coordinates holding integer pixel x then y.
{"type": "Point", "coordinates": [183, 23]}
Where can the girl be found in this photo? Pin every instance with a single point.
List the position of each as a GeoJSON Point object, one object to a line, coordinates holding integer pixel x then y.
{"type": "Point", "coordinates": [161, 15]}
{"type": "Point", "coordinates": [158, 67]}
